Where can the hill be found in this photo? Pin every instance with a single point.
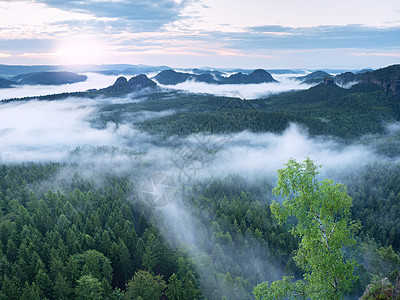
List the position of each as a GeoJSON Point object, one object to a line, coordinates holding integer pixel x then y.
{"type": "Point", "coordinates": [257, 76]}
{"type": "Point", "coordinates": [345, 78]}
{"type": "Point", "coordinates": [4, 83]}
{"type": "Point", "coordinates": [13, 70]}
{"type": "Point", "coordinates": [171, 77]}
{"type": "Point", "coordinates": [388, 78]}
{"type": "Point", "coordinates": [124, 86]}
{"type": "Point", "coordinates": [49, 78]}
{"type": "Point", "coordinates": [314, 77]}
{"type": "Point", "coordinates": [80, 225]}
{"type": "Point", "coordinates": [325, 109]}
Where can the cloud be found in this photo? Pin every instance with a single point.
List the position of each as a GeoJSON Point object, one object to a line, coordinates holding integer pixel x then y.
{"type": "Point", "coordinates": [228, 16]}
{"type": "Point", "coordinates": [94, 81]}
{"type": "Point", "coordinates": [321, 37]}
{"type": "Point", "coordinates": [254, 155]}
{"type": "Point", "coordinates": [44, 131]}
{"type": "Point", "coordinates": [382, 53]}
{"type": "Point", "coordinates": [244, 91]}
{"type": "Point", "coordinates": [184, 33]}
{"type": "Point", "coordinates": [28, 19]}
{"type": "Point", "coordinates": [261, 154]}
{"type": "Point", "coordinates": [22, 45]}
{"type": "Point", "coordinates": [50, 130]}
{"type": "Point", "coordinates": [97, 81]}
{"type": "Point", "coordinates": [138, 15]}
{"type": "Point", "coordinates": [263, 46]}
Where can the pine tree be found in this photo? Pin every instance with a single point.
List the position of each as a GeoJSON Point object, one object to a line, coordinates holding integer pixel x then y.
{"type": "Point", "coordinates": [174, 290]}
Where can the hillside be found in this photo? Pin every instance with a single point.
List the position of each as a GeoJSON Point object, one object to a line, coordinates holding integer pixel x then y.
{"type": "Point", "coordinates": [313, 78]}
{"type": "Point", "coordinates": [124, 86]}
{"type": "Point", "coordinates": [4, 83]}
{"type": "Point", "coordinates": [171, 77]}
{"type": "Point", "coordinates": [324, 109]}
{"type": "Point", "coordinates": [388, 78]}
{"type": "Point", "coordinates": [345, 78]}
{"type": "Point", "coordinates": [13, 70]}
{"type": "Point", "coordinates": [95, 222]}
{"type": "Point", "coordinates": [257, 76]}
{"type": "Point", "coordinates": [49, 78]}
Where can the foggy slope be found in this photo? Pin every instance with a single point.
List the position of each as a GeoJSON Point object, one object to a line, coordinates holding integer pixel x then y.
{"type": "Point", "coordinates": [200, 174]}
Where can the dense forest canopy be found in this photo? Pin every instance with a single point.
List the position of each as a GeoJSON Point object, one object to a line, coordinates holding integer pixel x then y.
{"type": "Point", "coordinates": [174, 199]}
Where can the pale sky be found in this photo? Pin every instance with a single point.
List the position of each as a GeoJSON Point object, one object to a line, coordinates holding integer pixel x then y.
{"type": "Point", "coordinates": [218, 33]}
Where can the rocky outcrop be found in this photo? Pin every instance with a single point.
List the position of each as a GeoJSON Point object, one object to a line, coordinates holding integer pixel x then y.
{"type": "Point", "coordinates": [171, 77]}
{"type": "Point", "coordinates": [328, 81]}
{"type": "Point", "coordinates": [125, 86]}
{"type": "Point", "coordinates": [257, 76]}
{"type": "Point", "coordinates": [141, 82]}
{"type": "Point", "coordinates": [388, 78]}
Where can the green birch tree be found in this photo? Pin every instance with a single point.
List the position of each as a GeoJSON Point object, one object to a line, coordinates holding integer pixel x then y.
{"type": "Point", "coordinates": [319, 213]}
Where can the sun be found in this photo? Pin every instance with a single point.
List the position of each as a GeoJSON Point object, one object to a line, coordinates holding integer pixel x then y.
{"type": "Point", "coordinates": [80, 51]}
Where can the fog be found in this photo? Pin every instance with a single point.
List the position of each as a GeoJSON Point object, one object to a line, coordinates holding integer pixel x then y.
{"type": "Point", "coordinates": [42, 131]}
{"type": "Point", "coordinates": [97, 81]}
{"type": "Point", "coordinates": [178, 224]}
{"type": "Point", "coordinates": [243, 91]}
{"type": "Point", "coordinates": [50, 130]}
{"type": "Point", "coordinates": [261, 154]}
{"type": "Point", "coordinates": [94, 81]}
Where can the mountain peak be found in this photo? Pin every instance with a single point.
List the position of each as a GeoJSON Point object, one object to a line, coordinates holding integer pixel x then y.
{"type": "Point", "coordinates": [121, 81]}
{"type": "Point", "coordinates": [171, 77]}
{"type": "Point", "coordinates": [124, 86]}
{"type": "Point", "coordinates": [260, 76]}
{"type": "Point", "coordinates": [140, 82]}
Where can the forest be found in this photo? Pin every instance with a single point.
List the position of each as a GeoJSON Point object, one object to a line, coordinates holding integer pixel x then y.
{"type": "Point", "coordinates": [90, 243]}
{"type": "Point", "coordinates": [82, 229]}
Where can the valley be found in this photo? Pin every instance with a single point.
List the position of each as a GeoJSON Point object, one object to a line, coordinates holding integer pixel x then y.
{"type": "Point", "coordinates": [140, 179]}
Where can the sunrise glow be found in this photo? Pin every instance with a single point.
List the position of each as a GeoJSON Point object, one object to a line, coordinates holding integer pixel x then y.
{"type": "Point", "coordinates": [80, 51]}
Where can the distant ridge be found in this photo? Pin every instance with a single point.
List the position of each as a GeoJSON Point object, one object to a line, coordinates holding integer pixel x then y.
{"type": "Point", "coordinates": [49, 78]}
{"type": "Point", "coordinates": [385, 79]}
{"type": "Point", "coordinates": [171, 77]}
{"type": "Point", "coordinates": [4, 83]}
{"type": "Point", "coordinates": [121, 87]}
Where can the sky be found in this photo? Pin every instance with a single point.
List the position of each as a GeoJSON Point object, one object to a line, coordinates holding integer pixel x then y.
{"type": "Point", "coordinates": [346, 34]}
